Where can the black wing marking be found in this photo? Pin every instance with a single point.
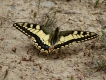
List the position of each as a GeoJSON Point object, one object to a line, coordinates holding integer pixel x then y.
{"type": "Point", "coordinates": [40, 35]}
{"type": "Point", "coordinates": [67, 37]}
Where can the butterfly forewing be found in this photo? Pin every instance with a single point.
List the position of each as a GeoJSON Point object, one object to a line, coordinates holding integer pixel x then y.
{"type": "Point", "coordinates": [68, 37]}
{"type": "Point", "coordinates": [27, 28]}
{"type": "Point", "coordinates": [38, 36]}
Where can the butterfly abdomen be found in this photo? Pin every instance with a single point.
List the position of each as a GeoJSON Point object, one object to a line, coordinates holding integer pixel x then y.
{"type": "Point", "coordinates": [55, 35]}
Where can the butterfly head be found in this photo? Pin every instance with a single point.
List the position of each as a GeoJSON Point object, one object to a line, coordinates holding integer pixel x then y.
{"type": "Point", "coordinates": [57, 30]}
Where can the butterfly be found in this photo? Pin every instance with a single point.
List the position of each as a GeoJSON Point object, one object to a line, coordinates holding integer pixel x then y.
{"type": "Point", "coordinates": [48, 40]}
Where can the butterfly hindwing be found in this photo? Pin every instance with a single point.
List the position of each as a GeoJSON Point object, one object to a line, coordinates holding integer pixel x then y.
{"type": "Point", "coordinates": [67, 37]}
{"type": "Point", "coordinates": [39, 35]}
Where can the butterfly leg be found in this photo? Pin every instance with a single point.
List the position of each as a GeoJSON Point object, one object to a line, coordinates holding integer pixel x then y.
{"type": "Point", "coordinates": [57, 55]}
{"type": "Point", "coordinates": [59, 51]}
{"type": "Point", "coordinates": [38, 53]}
{"type": "Point", "coordinates": [49, 53]}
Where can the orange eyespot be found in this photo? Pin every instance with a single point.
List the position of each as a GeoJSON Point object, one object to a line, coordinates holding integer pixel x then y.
{"type": "Point", "coordinates": [51, 49]}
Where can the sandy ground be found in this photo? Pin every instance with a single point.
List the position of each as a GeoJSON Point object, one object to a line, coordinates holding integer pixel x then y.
{"type": "Point", "coordinates": [18, 56]}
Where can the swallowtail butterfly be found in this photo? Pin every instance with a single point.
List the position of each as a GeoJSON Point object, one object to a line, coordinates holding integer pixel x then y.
{"type": "Point", "coordinates": [47, 40]}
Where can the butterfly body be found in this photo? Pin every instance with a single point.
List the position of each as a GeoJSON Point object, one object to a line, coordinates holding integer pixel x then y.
{"type": "Point", "coordinates": [47, 40]}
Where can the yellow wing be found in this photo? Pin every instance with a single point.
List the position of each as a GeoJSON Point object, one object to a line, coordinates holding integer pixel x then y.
{"type": "Point", "coordinates": [39, 35]}
{"type": "Point", "coordinates": [67, 37]}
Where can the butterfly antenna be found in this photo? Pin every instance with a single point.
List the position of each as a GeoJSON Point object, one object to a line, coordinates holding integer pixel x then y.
{"type": "Point", "coordinates": [65, 22]}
